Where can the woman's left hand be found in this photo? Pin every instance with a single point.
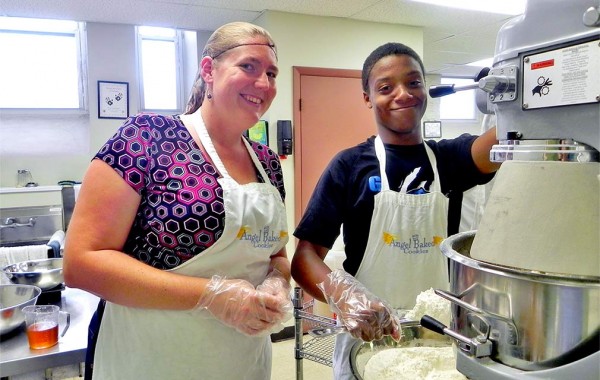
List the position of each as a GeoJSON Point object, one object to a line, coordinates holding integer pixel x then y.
{"type": "Point", "coordinates": [238, 304]}
{"type": "Point", "coordinates": [277, 285]}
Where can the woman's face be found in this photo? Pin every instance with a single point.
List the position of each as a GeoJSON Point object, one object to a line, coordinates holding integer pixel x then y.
{"type": "Point", "coordinates": [398, 97]}
{"type": "Point", "coordinates": [243, 81]}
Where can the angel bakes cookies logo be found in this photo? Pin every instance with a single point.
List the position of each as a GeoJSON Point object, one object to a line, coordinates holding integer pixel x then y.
{"type": "Point", "coordinates": [264, 238]}
{"type": "Point", "coordinates": [414, 245]}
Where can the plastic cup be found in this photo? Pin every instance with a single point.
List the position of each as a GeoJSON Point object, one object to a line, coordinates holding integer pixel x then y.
{"type": "Point", "coordinates": [41, 322]}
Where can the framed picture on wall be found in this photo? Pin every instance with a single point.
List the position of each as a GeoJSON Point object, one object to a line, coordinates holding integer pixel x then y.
{"type": "Point", "coordinates": [259, 132]}
{"type": "Point", "coordinates": [113, 100]}
{"type": "Point", "coordinates": [432, 129]}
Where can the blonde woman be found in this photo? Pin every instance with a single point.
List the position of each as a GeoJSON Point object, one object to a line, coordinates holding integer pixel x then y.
{"type": "Point", "coordinates": [180, 226]}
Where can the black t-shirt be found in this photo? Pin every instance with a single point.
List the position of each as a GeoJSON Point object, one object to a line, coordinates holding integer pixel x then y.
{"type": "Point", "coordinates": [346, 190]}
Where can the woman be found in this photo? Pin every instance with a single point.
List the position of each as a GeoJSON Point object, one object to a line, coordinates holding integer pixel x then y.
{"type": "Point", "coordinates": [180, 226]}
{"type": "Point", "coordinates": [391, 195]}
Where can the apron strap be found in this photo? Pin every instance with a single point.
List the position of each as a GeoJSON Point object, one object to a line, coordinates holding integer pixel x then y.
{"type": "Point", "coordinates": [381, 156]}
{"type": "Point", "coordinates": [380, 152]}
{"type": "Point", "coordinates": [202, 132]}
{"type": "Point", "coordinates": [256, 161]}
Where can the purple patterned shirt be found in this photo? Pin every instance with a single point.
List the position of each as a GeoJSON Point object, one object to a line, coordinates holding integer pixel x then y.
{"type": "Point", "coordinates": [181, 211]}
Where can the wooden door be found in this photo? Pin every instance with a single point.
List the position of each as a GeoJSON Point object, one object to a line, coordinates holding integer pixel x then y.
{"type": "Point", "coordinates": [329, 115]}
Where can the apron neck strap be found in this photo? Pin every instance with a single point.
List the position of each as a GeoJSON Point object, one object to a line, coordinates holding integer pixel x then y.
{"type": "Point", "coordinates": [209, 147]}
{"type": "Point", "coordinates": [381, 156]}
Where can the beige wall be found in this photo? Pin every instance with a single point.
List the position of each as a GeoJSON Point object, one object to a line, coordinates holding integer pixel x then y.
{"type": "Point", "coordinates": [58, 147]}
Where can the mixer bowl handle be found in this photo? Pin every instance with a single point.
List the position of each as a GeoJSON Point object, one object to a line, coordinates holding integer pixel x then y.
{"type": "Point", "coordinates": [496, 324]}
{"type": "Point", "coordinates": [477, 347]}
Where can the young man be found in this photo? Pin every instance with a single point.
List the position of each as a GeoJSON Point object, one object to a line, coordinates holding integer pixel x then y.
{"type": "Point", "coordinates": [391, 193]}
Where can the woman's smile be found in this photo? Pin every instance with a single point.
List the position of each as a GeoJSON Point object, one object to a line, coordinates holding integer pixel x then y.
{"type": "Point", "coordinates": [252, 99]}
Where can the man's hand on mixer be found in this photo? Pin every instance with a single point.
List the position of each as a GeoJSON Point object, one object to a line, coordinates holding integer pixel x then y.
{"type": "Point", "coordinates": [364, 315]}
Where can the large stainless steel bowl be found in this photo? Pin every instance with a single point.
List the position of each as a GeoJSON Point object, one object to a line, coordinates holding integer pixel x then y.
{"type": "Point", "coordinates": [413, 335]}
{"type": "Point", "coordinates": [535, 320]}
{"type": "Point", "coordinates": [45, 274]}
{"type": "Point", "coordinates": [13, 298]}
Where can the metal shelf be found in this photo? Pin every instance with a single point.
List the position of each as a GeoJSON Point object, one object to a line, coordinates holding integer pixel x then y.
{"type": "Point", "coordinates": [317, 349]}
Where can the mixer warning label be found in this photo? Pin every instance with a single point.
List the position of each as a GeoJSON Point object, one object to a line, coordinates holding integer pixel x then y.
{"type": "Point", "coordinates": [562, 77]}
{"type": "Point", "coordinates": [542, 64]}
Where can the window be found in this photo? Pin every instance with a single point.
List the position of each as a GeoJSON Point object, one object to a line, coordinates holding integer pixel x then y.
{"type": "Point", "coordinates": [160, 59]}
{"type": "Point", "coordinates": [42, 64]}
{"type": "Point", "coordinates": [460, 105]}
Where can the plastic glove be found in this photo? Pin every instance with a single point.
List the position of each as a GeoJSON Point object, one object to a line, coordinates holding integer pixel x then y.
{"type": "Point", "coordinates": [364, 315]}
{"type": "Point", "coordinates": [277, 285]}
{"type": "Point", "coordinates": [237, 304]}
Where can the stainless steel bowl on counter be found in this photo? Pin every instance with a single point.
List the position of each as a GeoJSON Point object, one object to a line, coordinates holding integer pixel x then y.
{"type": "Point", "coordinates": [413, 335]}
{"type": "Point", "coordinates": [13, 298]}
{"type": "Point", "coordinates": [45, 274]}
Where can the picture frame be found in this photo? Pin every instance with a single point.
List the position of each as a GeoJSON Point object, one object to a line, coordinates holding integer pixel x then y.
{"type": "Point", "coordinates": [259, 132]}
{"type": "Point", "coordinates": [432, 129]}
{"type": "Point", "coordinates": [113, 100]}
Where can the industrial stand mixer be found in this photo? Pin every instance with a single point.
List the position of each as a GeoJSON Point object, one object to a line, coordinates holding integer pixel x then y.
{"type": "Point", "coordinates": [525, 286]}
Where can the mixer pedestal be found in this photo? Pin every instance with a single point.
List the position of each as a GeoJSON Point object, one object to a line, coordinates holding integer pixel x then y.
{"type": "Point", "coordinates": [487, 369]}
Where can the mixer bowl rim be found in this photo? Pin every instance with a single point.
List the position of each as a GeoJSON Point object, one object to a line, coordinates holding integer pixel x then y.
{"type": "Point", "coordinates": [525, 274]}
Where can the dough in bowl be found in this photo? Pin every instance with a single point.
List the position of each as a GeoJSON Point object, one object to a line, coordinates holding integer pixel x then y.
{"type": "Point", "coordinates": [413, 363]}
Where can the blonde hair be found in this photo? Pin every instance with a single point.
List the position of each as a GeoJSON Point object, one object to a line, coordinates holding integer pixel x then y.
{"type": "Point", "coordinates": [223, 39]}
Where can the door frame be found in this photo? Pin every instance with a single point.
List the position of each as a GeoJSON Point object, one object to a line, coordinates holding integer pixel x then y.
{"type": "Point", "coordinates": [298, 72]}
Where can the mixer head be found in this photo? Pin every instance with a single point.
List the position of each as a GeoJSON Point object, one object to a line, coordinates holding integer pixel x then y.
{"type": "Point", "coordinates": [544, 84]}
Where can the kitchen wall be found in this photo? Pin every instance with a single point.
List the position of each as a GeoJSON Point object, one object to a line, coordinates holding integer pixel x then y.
{"type": "Point", "coordinates": [59, 146]}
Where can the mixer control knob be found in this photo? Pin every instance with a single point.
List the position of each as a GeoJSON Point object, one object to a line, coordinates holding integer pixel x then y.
{"type": "Point", "coordinates": [591, 17]}
{"type": "Point", "coordinates": [494, 84]}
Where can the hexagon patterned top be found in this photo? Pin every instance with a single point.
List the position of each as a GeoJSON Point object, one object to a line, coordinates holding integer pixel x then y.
{"type": "Point", "coordinates": [181, 210]}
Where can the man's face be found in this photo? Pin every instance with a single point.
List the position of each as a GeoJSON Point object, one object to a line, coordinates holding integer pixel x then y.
{"type": "Point", "coordinates": [398, 97]}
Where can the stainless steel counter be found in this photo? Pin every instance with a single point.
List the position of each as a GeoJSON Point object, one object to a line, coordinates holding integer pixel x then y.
{"type": "Point", "coordinates": [16, 357]}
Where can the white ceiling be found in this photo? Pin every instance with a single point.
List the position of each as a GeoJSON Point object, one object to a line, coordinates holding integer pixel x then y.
{"type": "Point", "coordinates": [452, 37]}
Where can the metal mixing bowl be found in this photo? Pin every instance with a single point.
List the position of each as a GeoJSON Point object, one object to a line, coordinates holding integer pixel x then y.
{"type": "Point", "coordinates": [13, 298]}
{"type": "Point", "coordinates": [45, 274]}
{"type": "Point", "coordinates": [536, 320]}
{"type": "Point", "coordinates": [413, 335]}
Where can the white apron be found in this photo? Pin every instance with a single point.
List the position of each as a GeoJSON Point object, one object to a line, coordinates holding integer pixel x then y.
{"type": "Point", "coordinates": [166, 344]}
{"type": "Point", "coordinates": [402, 257]}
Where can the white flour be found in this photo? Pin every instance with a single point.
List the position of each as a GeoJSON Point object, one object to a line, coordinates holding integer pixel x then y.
{"type": "Point", "coordinates": [413, 363]}
{"type": "Point", "coordinates": [431, 304]}
{"type": "Point", "coordinates": [420, 360]}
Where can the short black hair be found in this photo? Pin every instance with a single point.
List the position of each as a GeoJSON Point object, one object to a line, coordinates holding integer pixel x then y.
{"type": "Point", "coordinates": [390, 48]}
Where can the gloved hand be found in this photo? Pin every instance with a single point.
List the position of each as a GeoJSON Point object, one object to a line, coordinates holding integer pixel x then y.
{"type": "Point", "coordinates": [237, 304]}
{"type": "Point", "coordinates": [364, 315]}
{"type": "Point", "coordinates": [278, 286]}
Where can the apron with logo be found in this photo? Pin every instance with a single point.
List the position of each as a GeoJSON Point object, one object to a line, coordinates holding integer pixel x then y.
{"type": "Point", "coordinates": [169, 344]}
{"type": "Point", "coordinates": [402, 257]}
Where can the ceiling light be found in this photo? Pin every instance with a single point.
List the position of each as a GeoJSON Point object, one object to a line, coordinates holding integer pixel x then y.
{"type": "Point", "coordinates": [507, 7]}
{"type": "Point", "coordinates": [482, 62]}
